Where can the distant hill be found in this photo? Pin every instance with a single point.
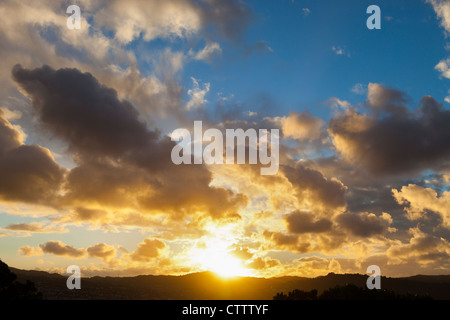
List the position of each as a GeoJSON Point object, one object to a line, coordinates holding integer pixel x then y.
{"type": "Point", "coordinates": [208, 286]}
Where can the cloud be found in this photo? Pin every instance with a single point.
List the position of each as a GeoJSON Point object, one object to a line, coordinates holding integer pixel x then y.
{"type": "Point", "coordinates": [312, 188]}
{"type": "Point", "coordinates": [304, 222]}
{"type": "Point", "coordinates": [418, 200]}
{"type": "Point", "coordinates": [393, 139]}
{"type": "Point", "coordinates": [444, 68]}
{"type": "Point", "coordinates": [358, 89]}
{"type": "Point", "coordinates": [337, 103]}
{"type": "Point", "coordinates": [101, 250]}
{"type": "Point", "coordinates": [121, 163]}
{"type": "Point", "coordinates": [422, 248]}
{"type": "Point", "coordinates": [302, 126]}
{"type": "Point", "coordinates": [11, 114]}
{"type": "Point", "coordinates": [126, 187]}
{"type": "Point", "coordinates": [340, 51]}
{"type": "Point", "coordinates": [381, 99]}
{"type": "Point", "coordinates": [29, 172]}
{"type": "Point", "coordinates": [148, 250]}
{"type": "Point", "coordinates": [211, 50]}
{"type": "Point", "coordinates": [263, 263]}
{"type": "Point", "coordinates": [10, 137]}
{"type": "Point", "coordinates": [229, 18]}
{"type": "Point", "coordinates": [28, 251]}
{"type": "Point", "coordinates": [315, 265]}
{"type": "Point", "coordinates": [197, 95]}
{"type": "Point", "coordinates": [241, 253]}
{"type": "Point", "coordinates": [374, 197]}
{"type": "Point", "coordinates": [446, 177]}
{"type": "Point", "coordinates": [93, 120]}
{"type": "Point", "coordinates": [365, 224]}
{"type": "Point", "coordinates": [259, 47]}
{"type": "Point", "coordinates": [60, 249]}
{"type": "Point", "coordinates": [306, 11]}
{"type": "Point", "coordinates": [35, 227]}
{"type": "Point", "coordinates": [150, 19]}
{"type": "Point", "coordinates": [287, 242]}
{"type": "Point", "coordinates": [42, 30]}
{"type": "Point", "coordinates": [442, 9]}
{"type": "Point", "coordinates": [163, 19]}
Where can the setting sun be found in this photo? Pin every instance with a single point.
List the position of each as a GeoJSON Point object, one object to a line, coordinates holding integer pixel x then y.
{"type": "Point", "coordinates": [213, 254]}
{"type": "Point", "coordinates": [221, 263]}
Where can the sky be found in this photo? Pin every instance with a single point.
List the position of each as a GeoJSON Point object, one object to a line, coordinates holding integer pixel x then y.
{"type": "Point", "coordinates": [86, 117]}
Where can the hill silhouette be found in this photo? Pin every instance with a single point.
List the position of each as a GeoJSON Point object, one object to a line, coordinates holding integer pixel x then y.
{"type": "Point", "coordinates": [209, 286]}
{"type": "Point", "coordinates": [11, 289]}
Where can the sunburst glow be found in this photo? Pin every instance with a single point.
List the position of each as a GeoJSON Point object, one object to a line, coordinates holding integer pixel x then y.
{"type": "Point", "coordinates": [213, 254]}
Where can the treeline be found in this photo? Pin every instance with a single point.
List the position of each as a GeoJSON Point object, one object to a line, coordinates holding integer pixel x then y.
{"type": "Point", "coordinates": [348, 292]}
{"type": "Point", "coordinates": [11, 289]}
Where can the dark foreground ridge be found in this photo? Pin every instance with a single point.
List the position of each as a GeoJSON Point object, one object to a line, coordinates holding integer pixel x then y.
{"type": "Point", "coordinates": [208, 286]}
{"type": "Point", "coordinates": [12, 289]}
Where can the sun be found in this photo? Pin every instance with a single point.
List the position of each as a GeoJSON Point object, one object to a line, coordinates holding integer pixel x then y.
{"type": "Point", "coordinates": [222, 263]}
{"type": "Point", "coordinates": [214, 255]}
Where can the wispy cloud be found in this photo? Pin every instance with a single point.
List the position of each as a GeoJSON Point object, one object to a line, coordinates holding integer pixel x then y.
{"type": "Point", "coordinates": [340, 51]}
{"type": "Point", "coordinates": [208, 53]}
{"type": "Point", "coordinates": [306, 11]}
{"type": "Point", "coordinates": [359, 89]}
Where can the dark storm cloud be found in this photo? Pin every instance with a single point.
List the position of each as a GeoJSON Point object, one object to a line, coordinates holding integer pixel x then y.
{"type": "Point", "coordinates": [287, 241]}
{"type": "Point", "coordinates": [394, 140]}
{"type": "Point", "coordinates": [77, 108]}
{"type": "Point", "coordinates": [365, 224]}
{"type": "Point", "coordinates": [28, 172]}
{"type": "Point", "coordinates": [303, 222]}
{"type": "Point", "coordinates": [311, 184]}
{"type": "Point", "coordinates": [374, 198]}
{"type": "Point", "coordinates": [121, 163]}
{"type": "Point", "coordinates": [386, 100]}
{"type": "Point", "coordinates": [130, 187]}
{"type": "Point", "coordinates": [103, 183]}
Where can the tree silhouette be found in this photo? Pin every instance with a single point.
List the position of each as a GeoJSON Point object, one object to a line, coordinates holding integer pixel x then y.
{"type": "Point", "coordinates": [348, 292]}
{"type": "Point", "coordinates": [297, 294]}
{"type": "Point", "coordinates": [10, 289]}
{"type": "Point", "coordinates": [353, 292]}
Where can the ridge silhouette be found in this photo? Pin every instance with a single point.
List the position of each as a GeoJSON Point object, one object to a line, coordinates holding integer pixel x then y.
{"type": "Point", "coordinates": [209, 286]}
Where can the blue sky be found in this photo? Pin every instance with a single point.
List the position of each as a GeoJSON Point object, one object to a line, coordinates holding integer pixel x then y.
{"type": "Point", "coordinates": [302, 70]}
